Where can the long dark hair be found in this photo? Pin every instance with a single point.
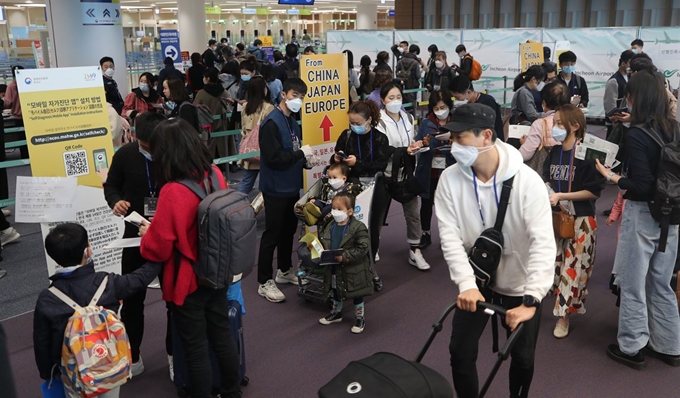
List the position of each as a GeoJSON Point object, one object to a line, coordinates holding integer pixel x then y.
{"type": "Point", "coordinates": [350, 58]}
{"type": "Point", "coordinates": [256, 95]}
{"type": "Point", "coordinates": [382, 57]}
{"type": "Point", "coordinates": [647, 92]}
{"type": "Point", "coordinates": [365, 70]}
{"type": "Point", "coordinates": [178, 152]}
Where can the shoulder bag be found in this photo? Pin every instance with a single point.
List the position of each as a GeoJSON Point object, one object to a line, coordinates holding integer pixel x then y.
{"type": "Point", "coordinates": [541, 154]}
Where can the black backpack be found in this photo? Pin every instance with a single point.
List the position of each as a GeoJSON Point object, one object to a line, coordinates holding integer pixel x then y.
{"type": "Point", "coordinates": [407, 73]}
{"type": "Point", "coordinates": [485, 255]}
{"type": "Point", "coordinates": [665, 207]}
{"type": "Point", "coordinates": [401, 183]}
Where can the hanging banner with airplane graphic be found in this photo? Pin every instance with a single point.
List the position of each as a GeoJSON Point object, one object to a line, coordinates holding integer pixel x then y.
{"type": "Point", "coordinates": [598, 51]}
{"type": "Point", "coordinates": [663, 46]}
{"type": "Point", "coordinates": [446, 40]}
{"type": "Point", "coordinates": [360, 42]}
{"type": "Point", "coordinates": [497, 50]}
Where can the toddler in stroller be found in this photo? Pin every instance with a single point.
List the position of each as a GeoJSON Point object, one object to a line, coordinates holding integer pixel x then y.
{"type": "Point", "coordinates": [335, 181]}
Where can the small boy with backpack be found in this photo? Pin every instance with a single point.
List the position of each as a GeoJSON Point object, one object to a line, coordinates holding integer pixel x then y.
{"type": "Point", "coordinates": [355, 278]}
{"type": "Point", "coordinates": [81, 305]}
{"type": "Point", "coordinates": [319, 208]}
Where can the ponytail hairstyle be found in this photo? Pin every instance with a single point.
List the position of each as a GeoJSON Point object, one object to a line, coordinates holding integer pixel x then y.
{"type": "Point", "coordinates": [535, 71]}
{"type": "Point", "coordinates": [367, 109]}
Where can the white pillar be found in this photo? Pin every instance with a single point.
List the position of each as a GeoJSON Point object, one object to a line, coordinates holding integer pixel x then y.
{"type": "Point", "coordinates": [76, 44]}
{"type": "Point", "coordinates": [367, 16]}
{"type": "Point", "coordinates": [191, 18]}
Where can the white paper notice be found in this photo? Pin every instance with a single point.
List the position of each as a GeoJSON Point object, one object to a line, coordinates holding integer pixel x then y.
{"type": "Point", "coordinates": [45, 199]}
{"type": "Point", "coordinates": [123, 243]}
{"type": "Point", "coordinates": [518, 131]}
{"type": "Point", "coordinates": [597, 144]}
{"type": "Point", "coordinates": [93, 213]}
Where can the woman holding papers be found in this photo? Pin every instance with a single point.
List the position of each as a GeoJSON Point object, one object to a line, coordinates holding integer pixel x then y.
{"type": "Point", "coordinates": [575, 185]}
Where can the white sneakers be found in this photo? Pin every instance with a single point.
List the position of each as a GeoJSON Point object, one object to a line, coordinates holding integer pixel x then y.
{"type": "Point", "coordinates": [288, 277]}
{"type": "Point", "coordinates": [8, 236]}
{"type": "Point", "coordinates": [137, 368]}
{"type": "Point", "coordinates": [416, 259]}
{"type": "Point", "coordinates": [271, 292]}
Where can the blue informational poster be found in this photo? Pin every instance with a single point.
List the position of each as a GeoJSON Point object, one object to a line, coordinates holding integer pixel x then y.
{"type": "Point", "coordinates": [170, 46]}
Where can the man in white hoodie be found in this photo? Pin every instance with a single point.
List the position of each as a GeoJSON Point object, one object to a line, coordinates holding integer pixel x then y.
{"type": "Point", "coordinates": [467, 202]}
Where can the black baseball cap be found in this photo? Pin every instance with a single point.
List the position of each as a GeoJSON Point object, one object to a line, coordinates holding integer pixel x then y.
{"type": "Point", "coordinates": [469, 116]}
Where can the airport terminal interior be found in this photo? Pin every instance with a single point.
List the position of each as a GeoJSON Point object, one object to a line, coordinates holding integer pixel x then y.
{"type": "Point", "coordinates": [287, 351]}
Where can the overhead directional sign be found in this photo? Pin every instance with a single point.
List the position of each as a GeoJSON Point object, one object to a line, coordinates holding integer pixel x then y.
{"type": "Point", "coordinates": [324, 111]}
{"type": "Point", "coordinates": [101, 12]}
{"type": "Point", "coordinates": [170, 46]}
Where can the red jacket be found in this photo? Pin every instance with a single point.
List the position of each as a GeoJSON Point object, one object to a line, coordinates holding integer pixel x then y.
{"type": "Point", "coordinates": [175, 227]}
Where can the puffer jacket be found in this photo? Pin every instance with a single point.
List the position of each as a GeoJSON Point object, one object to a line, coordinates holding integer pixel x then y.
{"type": "Point", "coordinates": [356, 277]}
{"type": "Point", "coordinates": [51, 314]}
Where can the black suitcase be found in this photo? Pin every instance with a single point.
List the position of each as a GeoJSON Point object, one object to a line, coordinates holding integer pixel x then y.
{"type": "Point", "coordinates": [181, 374]}
{"type": "Point", "coordinates": [388, 375]}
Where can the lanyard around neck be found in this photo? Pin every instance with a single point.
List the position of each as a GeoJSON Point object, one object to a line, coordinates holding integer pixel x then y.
{"type": "Point", "coordinates": [408, 139]}
{"type": "Point", "coordinates": [569, 172]}
{"type": "Point", "coordinates": [370, 139]}
{"type": "Point", "coordinates": [152, 191]}
{"type": "Point", "coordinates": [290, 129]}
{"type": "Point", "coordinates": [479, 203]}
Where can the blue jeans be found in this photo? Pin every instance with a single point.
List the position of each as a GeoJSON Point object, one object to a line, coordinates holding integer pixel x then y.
{"type": "Point", "coordinates": [248, 181]}
{"type": "Point", "coordinates": [649, 309]}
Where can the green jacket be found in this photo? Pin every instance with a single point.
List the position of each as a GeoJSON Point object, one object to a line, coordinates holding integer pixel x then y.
{"type": "Point", "coordinates": [354, 275]}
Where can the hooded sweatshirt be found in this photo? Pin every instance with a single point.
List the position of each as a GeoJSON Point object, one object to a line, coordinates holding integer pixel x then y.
{"type": "Point", "coordinates": [527, 264]}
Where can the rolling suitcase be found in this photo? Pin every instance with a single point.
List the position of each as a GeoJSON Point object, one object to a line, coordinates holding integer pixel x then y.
{"type": "Point", "coordinates": [236, 325]}
{"type": "Point", "coordinates": [388, 375]}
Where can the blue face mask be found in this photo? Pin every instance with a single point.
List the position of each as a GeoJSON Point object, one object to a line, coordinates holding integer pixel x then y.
{"type": "Point", "coordinates": [146, 154]}
{"type": "Point", "coordinates": [170, 104]}
{"type": "Point", "coordinates": [360, 130]}
{"type": "Point", "coordinates": [569, 69]}
{"type": "Point", "coordinates": [245, 78]}
{"type": "Point", "coordinates": [559, 134]}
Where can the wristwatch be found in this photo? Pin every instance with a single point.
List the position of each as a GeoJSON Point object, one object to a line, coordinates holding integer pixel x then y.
{"type": "Point", "coordinates": [610, 175]}
{"type": "Point", "coordinates": [530, 301]}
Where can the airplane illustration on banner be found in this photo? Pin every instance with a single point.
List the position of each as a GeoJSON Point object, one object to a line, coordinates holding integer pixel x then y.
{"type": "Point", "coordinates": [610, 54]}
{"type": "Point", "coordinates": [342, 41]}
{"type": "Point", "coordinates": [667, 40]}
{"type": "Point", "coordinates": [481, 41]}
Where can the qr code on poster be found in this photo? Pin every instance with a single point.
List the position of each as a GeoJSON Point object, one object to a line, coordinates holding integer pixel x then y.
{"type": "Point", "coordinates": [76, 163]}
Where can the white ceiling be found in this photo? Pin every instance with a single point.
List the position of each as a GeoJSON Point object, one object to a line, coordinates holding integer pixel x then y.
{"type": "Point", "coordinates": [231, 6]}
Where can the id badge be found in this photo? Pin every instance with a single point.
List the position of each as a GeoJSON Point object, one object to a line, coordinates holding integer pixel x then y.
{"type": "Point", "coordinates": [437, 87]}
{"type": "Point", "coordinates": [150, 206]}
{"type": "Point", "coordinates": [296, 145]}
{"type": "Point", "coordinates": [439, 162]}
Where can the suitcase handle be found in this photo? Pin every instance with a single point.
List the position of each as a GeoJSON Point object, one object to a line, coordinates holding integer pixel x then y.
{"type": "Point", "coordinates": [489, 309]}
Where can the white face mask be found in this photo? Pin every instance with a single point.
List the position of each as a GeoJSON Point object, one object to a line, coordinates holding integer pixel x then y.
{"type": "Point", "coordinates": [339, 215]}
{"type": "Point", "coordinates": [394, 106]}
{"type": "Point", "coordinates": [109, 72]}
{"type": "Point", "coordinates": [336, 183]}
{"type": "Point", "coordinates": [443, 114]}
{"type": "Point", "coordinates": [294, 105]}
{"type": "Point", "coordinates": [439, 64]}
{"type": "Point", "coordinates": [540, 86]}
{"type": "Point", "coordinates": [401, 50]}
{"type": "Point", "coordinates": [467, 155]}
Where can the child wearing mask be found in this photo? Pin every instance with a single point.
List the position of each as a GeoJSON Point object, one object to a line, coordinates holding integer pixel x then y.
{"type": "Point", "coordinates": [319, 208]}
{"type": "Point", "coordinates": [351, 235]}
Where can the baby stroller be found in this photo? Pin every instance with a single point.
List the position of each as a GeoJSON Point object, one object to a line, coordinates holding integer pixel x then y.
{"type": "Point", "coordinates": [386, 375]}
{"type": "Point", "coordinates": [313, 271]}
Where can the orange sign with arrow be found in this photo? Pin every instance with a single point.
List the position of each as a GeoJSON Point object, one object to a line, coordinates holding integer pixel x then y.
{"type": "Point", "coordinates": [324, 111]}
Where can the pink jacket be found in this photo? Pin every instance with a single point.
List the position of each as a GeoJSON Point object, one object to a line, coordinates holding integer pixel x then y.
{"type": "Point", "coordinates": [535, 136]}
{"type": "Point", "coordinates": [617, 209]}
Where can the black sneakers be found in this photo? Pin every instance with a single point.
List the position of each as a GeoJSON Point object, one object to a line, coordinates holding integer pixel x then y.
{"type": "Point", "coordinates": [359, 325]}
{"type": "Point", "coordinates": [672, 360]}
{"type": "Point", "coordinates": [333, 317]}
{"type": "Point", "coordinates": [636, 361]}
{"type": "Point", "coordinates": [425, 240]}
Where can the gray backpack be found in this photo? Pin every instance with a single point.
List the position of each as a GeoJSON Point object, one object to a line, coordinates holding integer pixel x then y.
{"type": "Point", "coordinates": [227, 234]}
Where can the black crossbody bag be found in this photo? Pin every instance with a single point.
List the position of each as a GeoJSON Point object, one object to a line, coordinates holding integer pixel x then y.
{"type": "Point", "coordinates": [485, 254]}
